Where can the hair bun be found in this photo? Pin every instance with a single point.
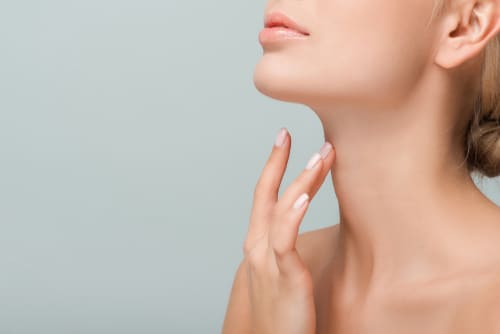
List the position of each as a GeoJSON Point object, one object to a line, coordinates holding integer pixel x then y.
{"type": "Point", "coordinates": [483, 132]}
{"type": "Point", "coordinates": [488, 119]}
{"type": "Point", "coordinates": [484, 144]}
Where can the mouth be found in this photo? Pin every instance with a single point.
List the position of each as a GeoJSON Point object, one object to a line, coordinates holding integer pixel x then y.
{"type": "Point", "coordinates": [278, 19]}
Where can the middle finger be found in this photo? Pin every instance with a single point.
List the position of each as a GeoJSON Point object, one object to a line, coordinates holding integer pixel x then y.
{"type": "Point", "coordinates": [313, 174]}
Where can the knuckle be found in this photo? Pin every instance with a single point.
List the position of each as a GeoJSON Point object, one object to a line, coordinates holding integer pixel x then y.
{"type": "Point", "coordinates": [302, 277]}
{"type": "Point", "coordinates": [255, 259]}
{"type": "Point", "coordinates": [252, 242]}
{"type": "Point", "coordinates": [248, 247]}
{"type": "Point", "coordinates": [263, 185]}
{"type": "Point", "coordinates": [280, 251]}
{"type": "Point", "coordinates": [260, 188]}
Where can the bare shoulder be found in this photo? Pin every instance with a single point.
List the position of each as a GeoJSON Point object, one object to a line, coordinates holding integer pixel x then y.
{"type": "Point", "coordinates": [482, 313]}
{"type": "Point", "coordinates": [492, 307]}
{"type": "Point", "coordinates": [477, 292]}
{"type": "Point", "coordinates": [315, 246]}
{"type": "Point", "coordinates": [309, 244]}
{"type": "Point", "coordinates": [479, 309]}
{"type": "Point", "coordinates": [489, 304]}
{"type": "Point", "coordinates": [310, 241]}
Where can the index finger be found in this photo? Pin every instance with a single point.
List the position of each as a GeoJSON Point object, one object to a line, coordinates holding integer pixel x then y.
{"type": "Point", "coordinates": [267, 187]}
{"type": "Point", "coordinates": [268, 184]}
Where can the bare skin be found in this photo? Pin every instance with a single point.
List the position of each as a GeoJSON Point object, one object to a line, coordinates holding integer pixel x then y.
{"type": "Point", "coordinates": [295, 286]}
{"type": "Point", "coordinates": [280, 285]}
{"type": "Point", "coordinates": [461, 302]}
{"type": "Point", "coordinates": [463, 299]}
{"type": "Point", "coordinates": [417, 247]}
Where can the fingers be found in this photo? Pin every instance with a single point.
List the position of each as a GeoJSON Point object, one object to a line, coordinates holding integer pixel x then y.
{"type": "Point", "coordinates": [274, 224]}
{"type": "Point", "coordinates": [283, 238]}
{"type": "Point", "coordinates": [291, 208]}
{"type": "Point", "coordinates": [328, 154]}
{"type": "Point", "coordinates": [267, 188]}
{"type": "Point", "coordinates": [310, 179]}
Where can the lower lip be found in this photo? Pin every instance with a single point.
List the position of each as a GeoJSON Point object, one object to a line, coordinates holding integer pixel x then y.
{"type": "Point", "coordinates": [275, 34]}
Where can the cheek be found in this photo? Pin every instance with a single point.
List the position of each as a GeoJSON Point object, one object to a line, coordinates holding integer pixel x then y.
{"type": "Point", "coordinates": [359, 50]}
{"type": "Point", "coordinates": [369, 61]}
{"type": "Point", "coordinates": [371, 49]}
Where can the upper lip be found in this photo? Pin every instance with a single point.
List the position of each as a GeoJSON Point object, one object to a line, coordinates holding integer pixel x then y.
{"type": "Point", "coordinates": [275, 18]}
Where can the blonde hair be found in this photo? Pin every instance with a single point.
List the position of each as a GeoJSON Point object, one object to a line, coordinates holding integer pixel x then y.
{"type": "Point", "coordinates": [482, 137]}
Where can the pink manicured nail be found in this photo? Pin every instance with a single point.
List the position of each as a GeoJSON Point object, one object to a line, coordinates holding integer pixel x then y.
{"type": "Point", "coordinates": [313, 161]}
{"type": "Point", "coordinates": [280, 137]}
{"type": "Point", "coordinates": [301, 201]}
{"type": "Point", "coordinates": [325, 149]}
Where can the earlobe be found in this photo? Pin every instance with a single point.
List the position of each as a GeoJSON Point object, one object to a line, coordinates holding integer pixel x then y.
{"type": "Point", "coordinates": [476, 23]}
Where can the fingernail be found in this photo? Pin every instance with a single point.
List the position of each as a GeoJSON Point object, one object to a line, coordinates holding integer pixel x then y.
{"type": "Point", "coordinates": [325, 149]}
{"type": "Point", "coordinates": [313, 161]}
{"type": "Point", "coordinates": [280, 137]}
{"type": "Point", "coordinates": [300, 201]}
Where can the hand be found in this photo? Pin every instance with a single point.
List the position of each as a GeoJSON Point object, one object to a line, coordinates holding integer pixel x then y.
{"type": "Point", "coordinates": [280, 285]}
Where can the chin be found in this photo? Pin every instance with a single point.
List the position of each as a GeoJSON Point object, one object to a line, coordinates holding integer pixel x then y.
{"type": "Point", "coordinates": [278, 81]}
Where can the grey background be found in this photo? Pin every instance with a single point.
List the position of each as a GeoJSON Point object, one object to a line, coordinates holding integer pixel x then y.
{"type": "Point", "coordinates": [131, 137]}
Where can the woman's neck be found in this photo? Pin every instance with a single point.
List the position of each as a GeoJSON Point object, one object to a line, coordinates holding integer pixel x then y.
{"type": "Point", "coordinates": [407, 204]}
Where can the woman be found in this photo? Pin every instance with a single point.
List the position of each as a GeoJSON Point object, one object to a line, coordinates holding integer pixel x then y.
{"type": "Point", "coordinates": [408, 96]}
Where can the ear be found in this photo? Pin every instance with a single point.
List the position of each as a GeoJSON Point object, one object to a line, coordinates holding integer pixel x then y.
{"type": "Point", "coordinates": [467, 31]}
